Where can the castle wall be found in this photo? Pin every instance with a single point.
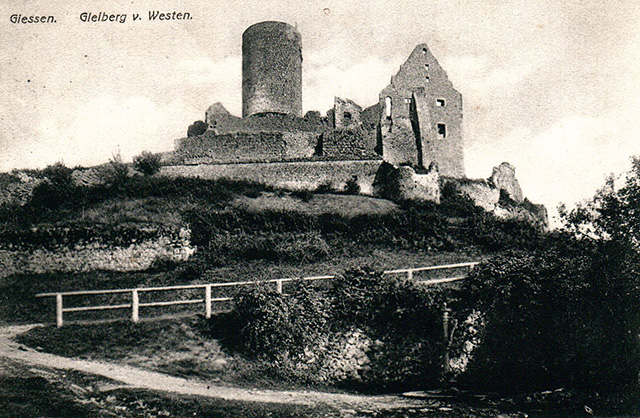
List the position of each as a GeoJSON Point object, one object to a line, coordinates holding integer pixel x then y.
{"type": "Point", "coordinates": [269, 122]}
{"type": "Point", "coordinates": [245, 147]}
{"type": "Point", "coordinates": [271, 69]}
{"type": "Point", "coordinates": [440, 140]}
{"type": "Point", "coordinates": [346, 114]}
{"type": "Point", "coordinates": [304, 175]}
{"type": "Point", "coordinates": [348, 144]}
{"type": "Point", "coordinates": [403, 183]}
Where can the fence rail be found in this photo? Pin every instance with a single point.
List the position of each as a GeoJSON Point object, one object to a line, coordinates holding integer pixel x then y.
{"type": "Point", "coordinates": [207, 298]}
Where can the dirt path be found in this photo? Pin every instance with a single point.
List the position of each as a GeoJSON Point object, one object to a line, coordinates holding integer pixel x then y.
{"type": "Point", "coordinates": [138, 378]}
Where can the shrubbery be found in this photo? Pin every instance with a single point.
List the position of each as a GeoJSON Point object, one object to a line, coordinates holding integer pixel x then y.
{"type": "Point", "coordinates": [147, 163]}
{"type": "Point", "coordinates": [378, 333]}
{"type": "Point", "coordinates": [56, 189]}
{"type": "Point", "coordinates": [288, 247]}
{"type": "Point", "coordinates": [565, 316]}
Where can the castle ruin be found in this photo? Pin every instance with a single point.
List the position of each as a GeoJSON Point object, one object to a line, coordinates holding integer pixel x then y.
{"type": "Point", "coordinates": [405, 146]}
{"type": "Point", "coordinates": [417, 120]}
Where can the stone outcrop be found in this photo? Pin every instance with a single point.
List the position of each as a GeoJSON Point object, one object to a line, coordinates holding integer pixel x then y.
{"type": "Point", "coordinates": [487, 195]}
{"type": "Point", "coordinates": [18, 193]}
{"type": "Point", "coordinates": [504, 178]}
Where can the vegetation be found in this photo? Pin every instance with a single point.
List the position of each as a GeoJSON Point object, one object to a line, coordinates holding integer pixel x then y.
{"type": "Point", "coordinates": [562, 317]}
{"type": "Point", "coordinates": [147, 163]}
{"type": "Point", "coordinates": [564, 314]}
{"type": "Point", "coordinates": [364, 330]}
{"type": "Point", "coordinates": [547, 312]}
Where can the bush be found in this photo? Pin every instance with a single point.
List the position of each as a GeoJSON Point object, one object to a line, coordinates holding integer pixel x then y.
{"type": "Point", "coordinates": [197, 128]}
{"type": "Point", "coordinates": [324, 188]}
{"type": "Point", "coordinates": [564, 316]}
{"type": "Point", "coordinates": [375, 332]}
{"type": "Point", "coordinates": [56, 189]}
{"type": "Point", "coordinates": [118, 174]}
{"type": "Point", "coordinates": [277, 247]}
{"type": "Point", "coordinates": [147, 163]}
{"type": "Point", "coordinates": [352, 186]}
{"type": "Point", "coordinates": [274, 325]}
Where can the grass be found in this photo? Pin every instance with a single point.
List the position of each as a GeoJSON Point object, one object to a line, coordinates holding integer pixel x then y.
{"type": "Point", "coordinates": [317, 204]}
{"type": "Point", "coordinates": [18, 304]}
{"type": "Point", "coordinates": [176, 346]}
{"type": "Point", "coordinates": [173, 346]}
{"type": "Point", "coordinates": [31, 392]}
{"type": "Point", "coordinates": [179, 347]}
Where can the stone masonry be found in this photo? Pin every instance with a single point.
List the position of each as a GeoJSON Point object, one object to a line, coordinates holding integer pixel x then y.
{"type": "Point", "coordinates": [421, 122]}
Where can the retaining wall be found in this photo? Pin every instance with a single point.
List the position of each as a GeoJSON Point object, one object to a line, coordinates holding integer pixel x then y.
{"type": "Point", "coordinates": [94, 256]}
{"type": "Point", "coordinates": [302, 175]}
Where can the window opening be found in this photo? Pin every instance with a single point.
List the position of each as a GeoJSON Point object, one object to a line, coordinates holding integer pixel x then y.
{"type": "Point", "coordinates": [346, 116]}
{"type": "Point", "coordinates": [426, 67]}
{"type": "Point", "coordinates": [442, 131]}
{"type": "Point", "coordinates": [440, 102]}
{"type": "Point", "coordinates": [387, 107]}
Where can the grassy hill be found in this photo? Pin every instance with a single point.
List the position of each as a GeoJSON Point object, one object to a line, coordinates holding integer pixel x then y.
{"type": "Point", "coordinates": [241, 230]}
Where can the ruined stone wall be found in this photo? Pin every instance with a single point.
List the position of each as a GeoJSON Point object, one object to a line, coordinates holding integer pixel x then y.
{"type": "Point", "coordinates": [482, 192]}
{"type": "Point", "coordinates": [504, 178]}
{"type": "Point", "coordinates": [271, 69]}
{"type": "Point", "coordinates": [346, 114]}
{"type": "Point", "coordinates": [268, 122]}
{"type": "Point", "coordinates": [347, 144]}
{"type": "Point", "coordinates": [95, 256]}
{"type": "Point", "coordinates": [304, 175]}
{"type": "Point", "coordinates": [439, 132]}
{"type": "Point", "coordinates": [403, 183]}
{"type": "Point", "coordinates": [245, 147]}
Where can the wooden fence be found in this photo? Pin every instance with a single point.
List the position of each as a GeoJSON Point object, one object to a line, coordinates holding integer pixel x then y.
{"type": "Point", "coordinates": [207, 298]}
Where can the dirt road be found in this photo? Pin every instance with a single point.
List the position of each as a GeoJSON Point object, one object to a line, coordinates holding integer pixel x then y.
{"type": "Point", "coordinates": [133, 377]}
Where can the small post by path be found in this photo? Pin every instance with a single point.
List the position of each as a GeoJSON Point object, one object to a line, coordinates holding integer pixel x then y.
{"type": "Point", "coordinates": [135, 306]}
{"type": "Point", "coordinates": [279, 286]}
{"type": "Point", "coordinates": [207, 301]}
{"type": "Point", "coordinates": [59, 310]}
{"type": "Point", "coordinates": [445, 331]}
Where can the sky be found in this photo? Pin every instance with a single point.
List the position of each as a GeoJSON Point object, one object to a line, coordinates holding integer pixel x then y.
{"type": "Point", "coordinates": [553, 87]}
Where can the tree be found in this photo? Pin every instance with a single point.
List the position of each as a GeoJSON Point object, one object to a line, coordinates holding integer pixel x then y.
{"type": "Point", "coordinates": [612, 214]}
{"type": "Point", "coordinates": [147, 163]}
{"type": "Point", "coordinates": [564, 314]}
{"type": "Point", "coordinates": [118, 173]}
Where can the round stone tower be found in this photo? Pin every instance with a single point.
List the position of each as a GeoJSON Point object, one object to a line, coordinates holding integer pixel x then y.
{"type": "Point", "coordinates": [271, 69]}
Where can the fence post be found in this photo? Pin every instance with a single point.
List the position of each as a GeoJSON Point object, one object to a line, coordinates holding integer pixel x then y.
{"type": "Point", "coordinates": [445, 330]}
{"type": "Point", "coordinates": [207, 301]}
{"type": "Point", "coordinates": [135, 306]}
{"type": "Point", "coordinates": [409, 274]}
{"type": "Point", "coordinates": [279, 286]}
{"type": "Point", "coordinates": [59, 310]}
